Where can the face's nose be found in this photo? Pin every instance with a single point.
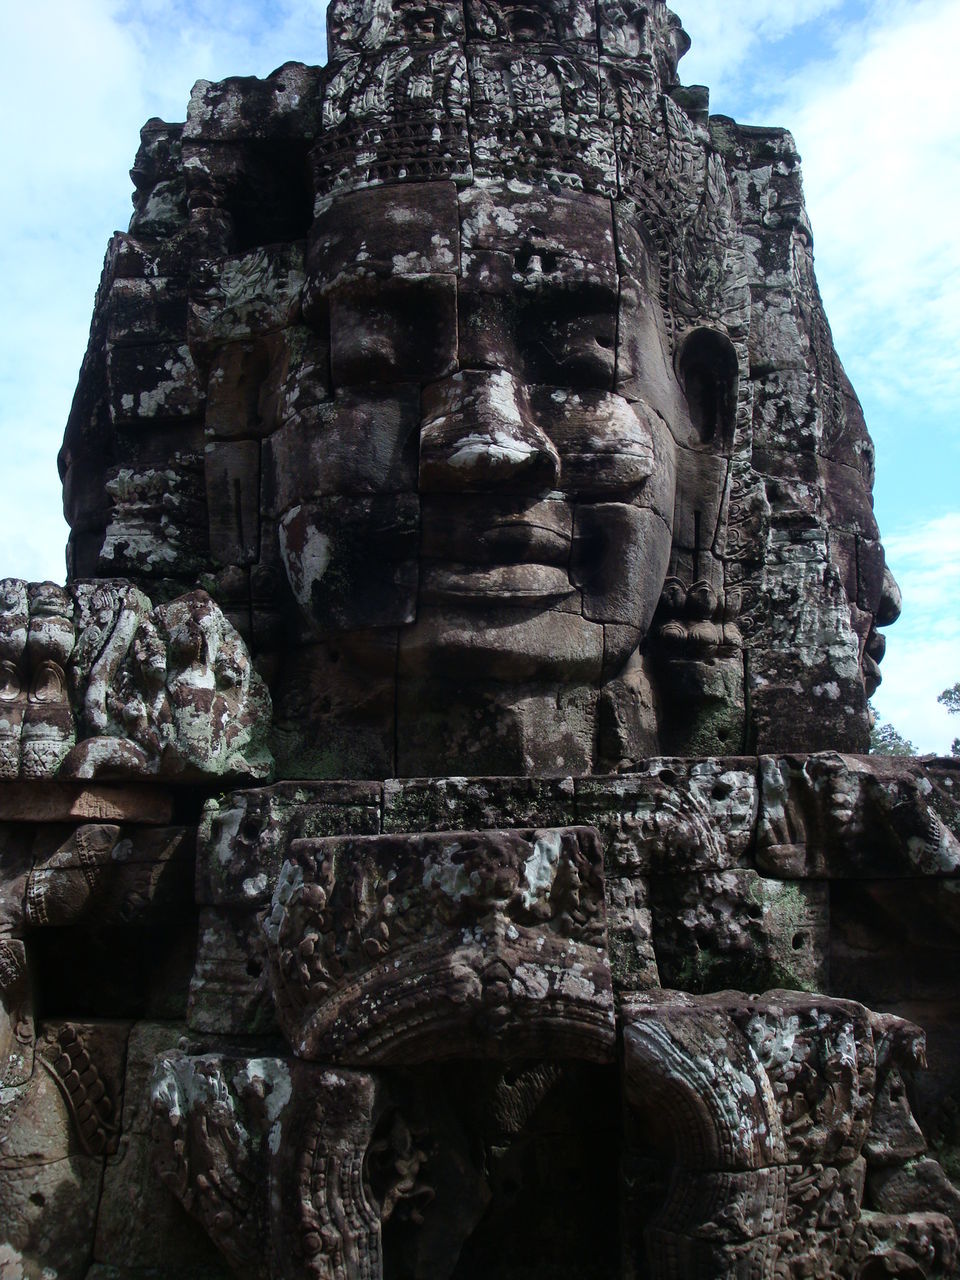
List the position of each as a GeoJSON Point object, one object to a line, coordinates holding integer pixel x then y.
{"type": "Point", "coordinates": [891, 601]}
{"type": "Point", "coordinates": [477, 433]}
{"type": "Point", "coordinates": [888, 611]}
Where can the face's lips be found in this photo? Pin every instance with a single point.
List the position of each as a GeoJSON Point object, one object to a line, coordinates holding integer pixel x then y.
{"type": "Point", "coordinates": [527, 583]}
{"type": "Point", "coordinates": [488, 532]}
{"type": "Point", "coordinates": [484, 549]}
{"type": "Point", "coordinates": [520, 543]}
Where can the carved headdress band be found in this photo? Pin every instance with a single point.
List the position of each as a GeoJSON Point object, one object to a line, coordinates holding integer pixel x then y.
{"type": "Point", "coordinates": [567, 93]}
{"type": "Point", "coordinates": [576, 95]}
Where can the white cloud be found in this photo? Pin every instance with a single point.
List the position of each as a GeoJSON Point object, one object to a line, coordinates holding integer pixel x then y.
{"type": "Point", "coordinates": [871, 100]}
{"type": "Point", "coordinates": [923, 653]}
{"type": "Point", "coordinates": [878, 128]}
{"type": "Point", "coordinates": [77, 80]}
{"type": "Point", "coordinates": [726, 36]}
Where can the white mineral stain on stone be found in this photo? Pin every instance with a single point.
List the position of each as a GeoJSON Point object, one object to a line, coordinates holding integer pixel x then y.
{"type": "Point", "coordinates": [271, 1078]}
{"type": "Point", "coordinates": [450, 877]}
{"type": "Point", "coordinates": [499, 448]}
{"type": "Point", "coordinates": [254, 885]}
{"type": "Point", "coordinates": [530, 981]}
{"type": "Point", "coordinates": [305, 566]}
{"type": "Point", "coordinates": [405, 264]}
{"type": "Point", "coordinates": [540, 868]}
{"type": "Point", "coordinates": [947, 856]}
{"type": "Point", "coordinates": [500, 397]}
{"type": "Point", "coordinates": [228, 827]}
{"type": "Point", "coordinates": [154, 401]}
{"type": "Point", "coordinates": [574, 984]}
{"type": "Point", "coordinates": [288, 882]}
{"type": "Point", "coordinates": [11, 1262]}
{"type": "Point", "coordinates": [505, 220]}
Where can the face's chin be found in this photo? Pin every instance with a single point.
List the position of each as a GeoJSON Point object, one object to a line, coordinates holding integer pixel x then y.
{"type": "Point", "coordinates": [510, 644]}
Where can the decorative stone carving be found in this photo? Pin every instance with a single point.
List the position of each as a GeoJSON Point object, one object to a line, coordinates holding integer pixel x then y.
{"type": "Point", "coordinates": [54, 1130]}
{"type": "Point", "coordinates": [389, 949]}
{"type": "Point", "coordinates": [796, 1081]}
{"type": "Point", "coordinates": [766, 1139]}
{"type": "Point", "coordinates": [101, 684]}
{"type": "Point", "coordinates": [238, 1138]}
{"type": "Point", "coordinates": [464, 418]}
{"type": "Point", "coordinates": [505, 230]}
{"type": "Point", "coordinates": [865, 817]}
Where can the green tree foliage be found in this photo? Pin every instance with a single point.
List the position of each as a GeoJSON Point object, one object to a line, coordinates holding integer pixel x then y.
{"type": "Point", "coordinates": [886, 741]}
{"type": "Point", "coordinates": [950, 698]}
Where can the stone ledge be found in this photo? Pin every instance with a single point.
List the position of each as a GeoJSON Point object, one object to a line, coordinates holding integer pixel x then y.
{"type": "Point", "coordinates": [42, 801]}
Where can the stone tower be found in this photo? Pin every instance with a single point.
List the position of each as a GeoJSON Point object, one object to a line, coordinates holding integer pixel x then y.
{"type": "Point", "coordinates": [451, 719]}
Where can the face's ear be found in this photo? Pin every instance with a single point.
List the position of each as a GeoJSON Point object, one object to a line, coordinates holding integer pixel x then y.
{"type": "Point", "coordinates": [709, 375]}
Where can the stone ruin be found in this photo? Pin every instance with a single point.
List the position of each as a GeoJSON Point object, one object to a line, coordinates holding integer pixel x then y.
{"type": "Point", "coordinates": [437, 840]}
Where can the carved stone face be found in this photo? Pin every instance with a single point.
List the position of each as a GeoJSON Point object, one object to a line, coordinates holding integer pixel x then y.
{"type": "Point", "coordinates": [495, 472]}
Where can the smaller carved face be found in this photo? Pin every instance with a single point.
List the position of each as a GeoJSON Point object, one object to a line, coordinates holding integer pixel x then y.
{"type": "Point", "coordinates": [648, 33]}
{"type": "Point", "coordinates": [363, 25]}
{"type": "Point", "coordinates": [555, 21]}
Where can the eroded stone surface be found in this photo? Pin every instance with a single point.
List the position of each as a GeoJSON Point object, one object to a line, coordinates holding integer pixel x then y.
{"type": "Point", "coordinates": [111, 686]}
{"type": "Point", "coordinates": [411, 948]}
{"type": "Point", "coordinates": [494, 262]}
{"type": "Point", "coordinates": [465, 422]}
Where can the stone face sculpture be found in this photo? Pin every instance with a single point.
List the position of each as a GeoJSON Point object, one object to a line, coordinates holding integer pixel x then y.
{"type": "Point", "coordinates": [432, 839]}
{"type": "Point", "coordinates": [522, 430]}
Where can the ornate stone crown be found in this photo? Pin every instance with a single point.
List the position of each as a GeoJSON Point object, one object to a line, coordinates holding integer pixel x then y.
{"type": "Point", "coordinates": [563, 93]}
{"type": "Point", "coordinates": [577, 96]}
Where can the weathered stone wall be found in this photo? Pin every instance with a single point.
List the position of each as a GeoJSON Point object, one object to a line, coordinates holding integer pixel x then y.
{"type": "Point", "coordinates": [161, 960]}
{"type": "Point", "coordinates": [444, 733]}
{"type": "Point", "coordinates": [521, 233]}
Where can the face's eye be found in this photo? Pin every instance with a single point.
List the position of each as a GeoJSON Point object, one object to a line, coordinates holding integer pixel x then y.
{"type": "Point", "coordinates": [566, 334]}
{"type": "Point", "coordinates": [395, 330]}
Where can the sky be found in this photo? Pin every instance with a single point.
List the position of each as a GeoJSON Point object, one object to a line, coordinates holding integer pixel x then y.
{"type": "Point", "coordinates": [866, 86]}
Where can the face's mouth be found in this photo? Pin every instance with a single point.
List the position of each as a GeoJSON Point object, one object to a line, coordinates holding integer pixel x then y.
{"type": "Point", "coordinates": [524, 583]}
{"type": "Point", "coordinates": [475, 550]}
